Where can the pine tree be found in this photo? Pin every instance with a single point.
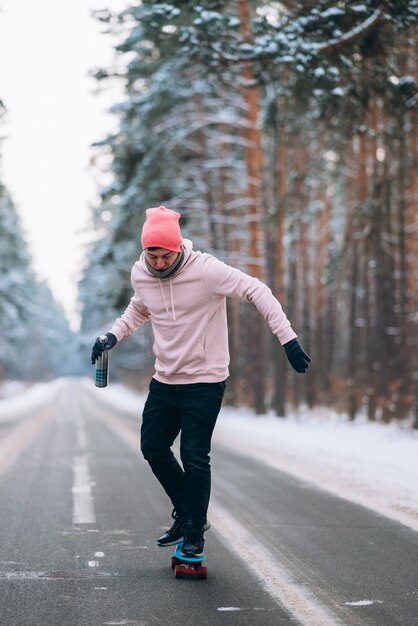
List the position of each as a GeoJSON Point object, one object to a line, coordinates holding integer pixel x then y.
{"type": "Point", "coordinates": [16, 308]}
{"type": "Point", "coordinates": [297, 118]}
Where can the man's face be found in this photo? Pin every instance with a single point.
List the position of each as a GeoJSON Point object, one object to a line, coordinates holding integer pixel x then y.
{"type": "Point", "coordinates": [161, 259]}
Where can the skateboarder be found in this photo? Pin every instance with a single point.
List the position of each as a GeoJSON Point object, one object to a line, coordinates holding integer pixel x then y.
{"type": "Point", "coordinates": [183, 293]}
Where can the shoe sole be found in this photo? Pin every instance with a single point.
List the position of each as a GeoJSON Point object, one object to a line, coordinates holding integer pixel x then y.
{"type": "Point", "coordinates": [171, 543]}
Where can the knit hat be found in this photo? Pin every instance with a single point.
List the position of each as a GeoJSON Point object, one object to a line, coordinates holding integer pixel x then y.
{"type": "Point", "coordinates": [162, 229]}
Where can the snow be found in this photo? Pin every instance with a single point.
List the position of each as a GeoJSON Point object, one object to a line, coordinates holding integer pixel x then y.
{"type": "Point", "coordinates": [11, 388]}
{"type": "Point", "coordinates": [407, 80]}
{"type": "Point", "coordinates": [332, 12]}
{"type": "Point", "coordinates": [363, 602]}
{"type": "Point", "coordinates": [372, 464]}
{"type": "Point", "coordinates": [18, 399]}
{"type": "Point", "coordinates": [359, 8]}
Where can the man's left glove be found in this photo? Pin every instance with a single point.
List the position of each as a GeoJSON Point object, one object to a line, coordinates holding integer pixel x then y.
{"type": "Point", "coordinates": [296, 356]}
{"type": "Point", "coordinates": [99, 347]}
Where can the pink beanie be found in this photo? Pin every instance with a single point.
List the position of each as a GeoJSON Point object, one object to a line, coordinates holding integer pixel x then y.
{"type": "Point", "coordinates": [162, 229]}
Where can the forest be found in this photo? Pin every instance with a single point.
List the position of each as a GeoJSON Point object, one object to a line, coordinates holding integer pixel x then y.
{"type": "Point", "coordinates": [36, 342]}
{"type": "Point", "coordinates": [285, 134]}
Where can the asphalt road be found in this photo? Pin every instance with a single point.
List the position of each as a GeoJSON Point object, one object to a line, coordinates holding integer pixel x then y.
{"type": "Point", "coordinates": [80, 511]}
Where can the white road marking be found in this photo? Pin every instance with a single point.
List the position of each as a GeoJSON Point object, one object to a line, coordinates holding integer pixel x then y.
{"type": "Point", "coordinates": [274, 577]}
{"type": "Point", "coordinates": [83, 506]}
{"type": "Point", "coordinates": [83, 502]}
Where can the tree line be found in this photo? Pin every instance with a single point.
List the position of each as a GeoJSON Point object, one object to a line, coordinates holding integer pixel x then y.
{"type": "Point", "coordinates": [285, 133]}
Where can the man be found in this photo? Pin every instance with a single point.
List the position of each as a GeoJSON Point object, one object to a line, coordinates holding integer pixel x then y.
{"type": "Point", "coordinates": [183, 293]}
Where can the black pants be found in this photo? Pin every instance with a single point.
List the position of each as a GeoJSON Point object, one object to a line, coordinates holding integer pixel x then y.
{"type": "Point", "coordinates": [192, 410]}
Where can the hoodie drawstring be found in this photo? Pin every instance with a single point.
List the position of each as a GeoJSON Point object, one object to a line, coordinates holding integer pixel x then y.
{"type": "Point", "coordinates": [173, 312]}
{"type": "Point", "coordinates": [172, 299]}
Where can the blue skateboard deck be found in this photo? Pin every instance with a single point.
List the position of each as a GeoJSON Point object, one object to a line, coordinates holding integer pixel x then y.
{"type": "Point", "coordinates": [188, 566]}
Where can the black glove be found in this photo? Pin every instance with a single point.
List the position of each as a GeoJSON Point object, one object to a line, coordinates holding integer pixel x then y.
{"type": "Point", "coordinates": [99, 346]}
{"type": "Point", "coordinates": [296, 356]}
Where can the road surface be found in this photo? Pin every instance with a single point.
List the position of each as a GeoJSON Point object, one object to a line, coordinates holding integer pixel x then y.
{"type": "Point", "coordinates": [80, 512]}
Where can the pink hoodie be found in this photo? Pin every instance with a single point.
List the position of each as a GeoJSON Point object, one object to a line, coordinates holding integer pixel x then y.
{"type": "Point", "coordinates": [188, 315]}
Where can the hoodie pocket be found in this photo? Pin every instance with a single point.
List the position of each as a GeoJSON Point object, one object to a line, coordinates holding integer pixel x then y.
{"type": "Point", "coordinates": [178, 356]}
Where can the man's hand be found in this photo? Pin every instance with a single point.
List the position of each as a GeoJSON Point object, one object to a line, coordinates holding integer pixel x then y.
{"type": "Point", "coordinates": [296, 356]}
{"type": "Point", "coordinates": [99, 347]}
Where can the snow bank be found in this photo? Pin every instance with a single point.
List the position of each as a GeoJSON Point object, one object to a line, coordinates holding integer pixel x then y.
{"type": "Point", "coordinates": [19, 399]}
{"type": "Point", "coordinates": [12, 387]}
{"type": "Point", "coordinates": [374, 465]}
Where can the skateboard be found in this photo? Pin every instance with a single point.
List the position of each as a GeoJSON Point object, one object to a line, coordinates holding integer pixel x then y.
{"type": "Point", "coordinates": [188, 566]}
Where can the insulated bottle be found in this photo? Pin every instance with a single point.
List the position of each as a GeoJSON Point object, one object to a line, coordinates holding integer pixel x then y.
{"type": "Point", "coordinates": [102, 365]}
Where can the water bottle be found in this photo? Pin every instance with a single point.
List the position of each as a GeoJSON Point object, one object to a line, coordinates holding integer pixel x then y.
{"type": "Point", "coordinates": [102, 365]}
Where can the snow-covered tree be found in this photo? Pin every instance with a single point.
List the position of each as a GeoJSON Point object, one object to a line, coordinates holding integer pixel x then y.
{"type": "Point", "coordinates": [16, 308]}
{"type": "Point", "coordinates": [36, 342]}
{"type": "Point", "coordinates": [285, 133]}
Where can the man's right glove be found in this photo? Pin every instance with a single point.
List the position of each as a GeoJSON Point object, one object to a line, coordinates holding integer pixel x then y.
{"type": "Point", "coordinates": [99, 347]}
{"type": "Point", "coordinates": [296, 356]}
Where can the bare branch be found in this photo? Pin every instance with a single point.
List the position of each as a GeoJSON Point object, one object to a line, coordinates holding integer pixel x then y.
{"type": "Point", "coordinates": [352, 34]}
{"type": "Point", "coordinates": [230, 58]}
{"type": "Point", "coordinates": [355, 32]}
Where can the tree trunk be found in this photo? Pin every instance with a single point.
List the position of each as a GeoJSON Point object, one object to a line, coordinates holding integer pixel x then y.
{"type": "Point", "coordinates": [278, 284]}
{"type": "Point", "coordinates": [321, 342]}
{"type": "Point", "coordinates": [253, 158]}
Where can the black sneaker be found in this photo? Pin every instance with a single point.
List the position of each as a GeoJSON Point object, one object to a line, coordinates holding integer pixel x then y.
{"type": "Point", "coordinates": [193, 543]}
{"type": "Point", "coordinates": [175, 534]}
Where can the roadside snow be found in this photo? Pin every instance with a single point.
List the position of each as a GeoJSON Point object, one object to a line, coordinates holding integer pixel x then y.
{"type": "Point", "coordinates": [18, 399]}
{"type": "Point", "coordinates": [11, 387]}
{"type": "Point", "coordinates": [374, 465]}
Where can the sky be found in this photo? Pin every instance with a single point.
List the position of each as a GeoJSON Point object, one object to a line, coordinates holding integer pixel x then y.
{"type": "Point", "coordinates": [53, 116]}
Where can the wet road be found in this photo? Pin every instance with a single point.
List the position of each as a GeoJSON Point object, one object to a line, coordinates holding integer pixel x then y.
{"type": "Point", "coordinates": [80, 511]}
